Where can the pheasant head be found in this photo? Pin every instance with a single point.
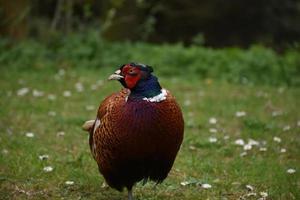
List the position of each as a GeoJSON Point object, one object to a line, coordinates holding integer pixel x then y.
{"type": "Point", "coordinates": [138, 78]}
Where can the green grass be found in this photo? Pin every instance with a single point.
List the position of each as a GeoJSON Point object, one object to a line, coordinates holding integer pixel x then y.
{"type": "Point", "coordinates": [256, 65]}
{"type": "Point", "coordinates": [199, 161]}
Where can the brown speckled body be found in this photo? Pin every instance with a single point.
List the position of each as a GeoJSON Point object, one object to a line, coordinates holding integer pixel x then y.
{"type": "Point", "coordinates": [136, 139]}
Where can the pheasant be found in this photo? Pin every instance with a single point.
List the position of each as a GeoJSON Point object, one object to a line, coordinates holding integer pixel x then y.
{"type": "Point", "coordinates": [137, 132]}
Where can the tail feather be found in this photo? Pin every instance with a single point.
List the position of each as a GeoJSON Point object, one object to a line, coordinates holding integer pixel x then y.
{"type": "Point", "coordinates": [88, 125]}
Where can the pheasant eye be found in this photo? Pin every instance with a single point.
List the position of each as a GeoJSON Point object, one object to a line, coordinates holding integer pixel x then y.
{"type": "Point", "coordinates": [132, 72]}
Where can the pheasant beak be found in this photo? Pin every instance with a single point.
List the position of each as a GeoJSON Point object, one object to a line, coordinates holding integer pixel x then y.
{"type": "Point", "coordinates": [116, 76]}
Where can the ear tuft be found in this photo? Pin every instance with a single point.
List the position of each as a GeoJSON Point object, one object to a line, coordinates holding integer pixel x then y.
{"type": "Point", "coordinates": [150, 68]}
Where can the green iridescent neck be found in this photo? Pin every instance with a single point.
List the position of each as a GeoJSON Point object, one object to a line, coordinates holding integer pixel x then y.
{"type": "Point", "coordinates": [148, 88]}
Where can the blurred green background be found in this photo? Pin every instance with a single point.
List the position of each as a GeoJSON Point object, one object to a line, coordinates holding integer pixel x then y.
{"type": "Point", "coordinates": [234, 67]}
{"type": "Point", "coordinates": [238, 41]}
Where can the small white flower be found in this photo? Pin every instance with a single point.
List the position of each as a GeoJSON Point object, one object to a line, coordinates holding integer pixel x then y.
{"type": "Point", "coordinates": [298, 123]}
{"type": "Point", "coordinates": [187, 102]}
{"type": "Point", "coordinates": [61, 72]}
{"type": "Point", "coordinates": [250, 187]}
{"type": "Point", "coordinates": [5, 151]}
{"type": "Point", "coordinates": [94, 87]}
{"type": "Point", "coordinates": [104, 185]}
{"type": "Point", "coordinates": [29, 134]}
{"type": "Point", "coordinates": [239, 142]}
{"type": "Point", "coordinates": [276, 113]}
{"type": "Point", "coordinates": [262, 149]}
{"type": "Point", "coordinates": [226, 137]}
{"type": "Point", "coordinates": [236, 183]}
{"type": "Point", "coordinates": [262, 94]}
{"type": "Point", "coordinates": [51, 97]}
{"type": "Point", "coordinates": [253, 142]}
{"type": "Point", "coordinates": [190, 122]}
{"type": "Point", "coordinates": [243, 154]}
{"type": "Point", "coordinates": [184, 183]}
{"type": "Point", "coordinates": [191, 147]}
{"type": "Point", "coordinates": [212, 139]}
{"type": "Point", "coordinates": [43, 157]}
{"type": "Point", "coordinates": [263, 194]}
{"type": "Point", "coordinates": [67, 93]}
{"type": "Point", "coordinates": [213, 130]}
{"type": "Point", "coordinates": [48, 169]}
{"type": "Point", "coordinates": [90, 107]}
{"type": "Point", "coordinates": [282, 150]}
{"type": "Point", "coordinates": [240, 114]}
{"type": "Point", "coordinates": [212, 120]}
{"type": "Point", "coordinates": [22, 91]}
{"type": "Point", "coordinates": [79, 87]}
{"type": "Point", "coordinates": [291, 171]}
{"type": "Point", "coordinates": [277, 139]}
{"type": "Point", "coordinates": [69, 182]}
{"type": "Point", "coordinates": [52, 113]}
{"type": "Point", "coordinates": [60, 133]}
{"type": "Point", "coordinates": [205, 185]}
{"type": "Point", "coordinates": [216, 180]}
{"type": "Point", "coordinates": [251, 194]}
{"type": "Point", "coordinates": [286, 128]}
{"type": "Point", "coordinates": [247, 147]}
{"type": "Point", "coordinates": [100, 82]}
{"type": "Point", "coordinates": [201, 93]}
{"type": "Point", "coordinates": [37, 93]}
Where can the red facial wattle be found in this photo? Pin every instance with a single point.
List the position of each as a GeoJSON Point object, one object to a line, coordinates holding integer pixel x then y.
{"type": "Point", "coordinates": [131, 76]}
{"type": "Point", "coordinates": [131, 81]}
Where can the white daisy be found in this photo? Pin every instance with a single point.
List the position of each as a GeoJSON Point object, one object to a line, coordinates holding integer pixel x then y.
{"type": "Point", "coordinates": [243, 154]}
{"type": "Point", "coordinates": [247, 147]}
{"type": "Point", "coordinates": [213, 130]}
{"type": "Point", "coordinates": [67, 93]}
{"type": "Point", "coordinates": [277, 139]}
{"type": "Point", "coordinates": [187, 102]}
{"type": "Point", "coordinates": [90, 107]}
{"type": "Point", "coordinates": [60, 133]}
{"type": "Point", "coordinates": [263, 194]}
{"type": "Point", "coordinates": [51, 97]}
{"type": "Point", "coordinates": [250, 187]}
{"type": "Point", "coordinates": [240, 114]}
{"type": "Point", "coordinates": [262, 149]}
{"type": "Point", "coordinates": [22, 91]}
{"type": "Point", "coordinates": [206, 186]}
{"type": "Point", "coordinates": [52, 113]}
{"type": "Point", "coordinates": [29, 134]}
{"type": "Point", "coordinates": [79, 87]}
{"type": "Point", "coordinates": [282, 150]}
{"type": "Point", "coordinates": [212, 120]}
{"type": "Point", "coordinates": [48, 169]}
{"type": "Point", "coordinates": [43, 157]}
{"type": "Point", "coordinates": [286, 128]}
{"type": "Point", "coordinates": [37, 93]}
{"type": "Point", "coordinates": [184, 183]}
{"type": "Point", "coordinates": [69, 182]}
{"type": "Point", "coordinates": [94, 87]}
{"type": "Point", "coordinates": [239, 142]}
{"type": "Point", "coordinates": [212, 139]}
{"type": "Point", "coordinates": [291, 171]}
{"type": "Point", "coordinates": [61, 72]}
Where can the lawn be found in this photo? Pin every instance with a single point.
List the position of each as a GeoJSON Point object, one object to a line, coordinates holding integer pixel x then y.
{"type": "Point", "coordinates": [241, 141]}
